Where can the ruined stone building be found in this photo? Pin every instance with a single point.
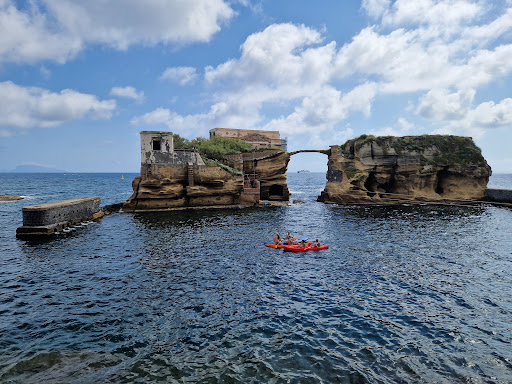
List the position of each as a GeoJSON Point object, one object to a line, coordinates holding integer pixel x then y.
{"type": "Point", "coordinates": [257, 138]}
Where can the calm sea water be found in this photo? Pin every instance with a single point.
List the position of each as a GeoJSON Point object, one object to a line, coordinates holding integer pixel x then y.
{"type": "Point", "coordinates": [408, 294]}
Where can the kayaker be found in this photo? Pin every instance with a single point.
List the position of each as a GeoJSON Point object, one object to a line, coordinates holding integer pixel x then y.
{"type": "Point", "coordinates": [289, 238]}
{"type": "Point", "coordinates": [317, 243]}
{"type": "Point", "coordinates": [303, 243]}
{"type": "Point", "coordinates": [277, 239]}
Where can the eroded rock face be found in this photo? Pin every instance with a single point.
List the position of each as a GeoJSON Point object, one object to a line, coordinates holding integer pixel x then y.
{"type": "Point", "coordinates": [163, 187]}
{"type": "Point", "coordinates": [271, 173]}
{"type": "Point", "coordinates": [269, 168]}
{"type": "Point", "coordinates": [382, 169]}
{"type": "Point", "coordinates": [168, 186]}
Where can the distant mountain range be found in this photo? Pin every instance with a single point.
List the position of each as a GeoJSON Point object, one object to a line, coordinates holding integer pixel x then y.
{"type": "Point", "coordinates": [33, 169]}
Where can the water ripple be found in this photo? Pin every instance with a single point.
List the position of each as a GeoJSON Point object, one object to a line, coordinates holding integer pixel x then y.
{"type": "Point", "coordinates": [403, 294]}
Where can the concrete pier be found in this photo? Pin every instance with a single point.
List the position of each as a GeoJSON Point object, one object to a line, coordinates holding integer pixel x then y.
{"type": "Point", "coordinates": [499, 195]}
{"type": "Point", "coordinates": [47, 219]}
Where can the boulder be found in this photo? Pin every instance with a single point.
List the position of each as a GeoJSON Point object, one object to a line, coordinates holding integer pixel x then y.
{"type": "Point", "coordinates": [10, 197]}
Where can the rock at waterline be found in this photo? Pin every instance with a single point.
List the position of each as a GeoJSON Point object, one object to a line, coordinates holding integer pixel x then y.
{"type": "Point", "coordinates": [10, 198]}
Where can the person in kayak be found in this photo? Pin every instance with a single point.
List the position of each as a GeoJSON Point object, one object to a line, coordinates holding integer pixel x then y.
{"type": "Point", "coordinates": [277, 239]}
{"type": "Point", "coordinates": [290, 238]}
{"type": "Point", "coordinates": [317, 243]}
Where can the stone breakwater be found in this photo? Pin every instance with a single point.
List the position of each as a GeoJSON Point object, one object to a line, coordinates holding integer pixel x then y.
{"type": "Point", "coordinates": [47, 219]}
{"type": "Point", "coordinates": [385, 170]}
{"type": "Point", "coordinates": [499, 195]}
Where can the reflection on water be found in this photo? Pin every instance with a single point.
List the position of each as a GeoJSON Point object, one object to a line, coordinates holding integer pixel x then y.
{"type": "Point", "coordinates": [403, 294]}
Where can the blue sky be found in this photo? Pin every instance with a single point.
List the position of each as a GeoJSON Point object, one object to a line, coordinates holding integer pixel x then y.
{"type": "Point", "coordinates": [79, 80]}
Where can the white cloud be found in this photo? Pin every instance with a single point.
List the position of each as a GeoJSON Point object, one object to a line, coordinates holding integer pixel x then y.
{"type": "Point", "coordinates": [279, 55]}
{"type": "Point", "coordinates": [31, 107]}
{"type": "Point", "coordinates": [440, 104]}
{"type": "Point", "coordinates": [59, 29]}
{"type": "Point", "coordinates": [490, 115]}
{"type": "Point", "coordinates": [402, 127]}
{"type": "Point", "coordinates": [129, 93]}
{"type": "Point", "coordinates": [440, 13]}
{"type": "Point", "coordinates": [485, 116]}
{"type": "Point", "coordinates": [437, 52]}
{"type": "Point", "coordinates": [158, 116]}
{"type": "Point", "coordinates": [26, 36]}
{"type": "Point", "coordinates": [180, 75]}
{"type": "Point", "coordinates": [375, 8]}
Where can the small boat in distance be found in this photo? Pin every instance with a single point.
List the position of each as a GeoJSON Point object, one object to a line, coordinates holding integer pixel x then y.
{"type": "Point", "coordinates": [303, 171]}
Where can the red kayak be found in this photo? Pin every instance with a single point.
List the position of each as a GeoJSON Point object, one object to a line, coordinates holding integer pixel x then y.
{"type": "Point", "coordinates": [298, 248]}
{"type": "Point", "coordinates": [271, 244]}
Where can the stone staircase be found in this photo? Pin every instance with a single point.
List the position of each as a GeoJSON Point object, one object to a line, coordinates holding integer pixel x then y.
{"type": "Point", "coordinates": [190, 173]}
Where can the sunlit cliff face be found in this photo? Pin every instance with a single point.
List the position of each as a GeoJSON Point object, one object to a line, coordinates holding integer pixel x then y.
{"type": "Point", "coordinates": [384, 169]}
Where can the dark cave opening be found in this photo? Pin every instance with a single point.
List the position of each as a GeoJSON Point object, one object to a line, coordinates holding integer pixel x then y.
{"type": "Point", "coordinates": [276, 190]}
{"type": "Point", "coordinates": [371, 184]}
{"type": "Point", "coordinates": [441, 177]}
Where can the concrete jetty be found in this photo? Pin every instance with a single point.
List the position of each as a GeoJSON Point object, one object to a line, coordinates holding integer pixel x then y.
{"type": "Point", "coordinates": [499, 195]}
{"type": "Point", "coordinates": [47, 219]}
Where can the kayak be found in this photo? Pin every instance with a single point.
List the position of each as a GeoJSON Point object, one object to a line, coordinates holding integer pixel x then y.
{"type": "Point", "coordinates": [296, 248]}
{"type": "Point", "coordinates": [271, 244]}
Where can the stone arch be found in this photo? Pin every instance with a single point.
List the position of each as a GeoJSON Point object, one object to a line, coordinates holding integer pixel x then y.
{"type": "Point", "coordinates": [270, 168]}
{"type": "Point", "coordinates": [326, 152]}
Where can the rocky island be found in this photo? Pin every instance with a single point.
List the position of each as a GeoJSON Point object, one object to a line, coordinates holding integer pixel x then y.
{"type": "Point", "coordinates": [208, 173]}
{"type": "Point", "coordinates": [385, 169]}
{"type": "Point", "coordinates": [244, 167]}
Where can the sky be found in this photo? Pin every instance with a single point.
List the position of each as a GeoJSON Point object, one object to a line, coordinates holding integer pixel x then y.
{"type": "Point", "coordinates": [80, 79]}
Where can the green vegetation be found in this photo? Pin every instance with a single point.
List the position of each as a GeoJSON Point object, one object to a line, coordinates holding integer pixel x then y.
{"type": "Point", "coordinates": [216, 163]}
{"type": "Point", "coordinates": [351, 171]}
{"type": "Point", "coordinates": [455, 151]}
{"type": "Point", "coordinates": [213, 148]}
{"type": "Point", "coordinates": [217, 147]}
{"type": "Point", "coordinates": [181, 142]}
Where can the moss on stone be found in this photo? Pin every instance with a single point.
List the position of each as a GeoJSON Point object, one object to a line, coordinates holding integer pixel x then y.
{"type": "Point", "coordinates": [454, 151]}
{"type": "Point", "coordinates": [216, 163]}
{"type": "Point", "coordinates": [351, 171]}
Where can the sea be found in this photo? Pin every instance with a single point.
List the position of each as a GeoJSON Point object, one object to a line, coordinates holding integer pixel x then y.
{"type": "Point", "coordinates": [404, 294]}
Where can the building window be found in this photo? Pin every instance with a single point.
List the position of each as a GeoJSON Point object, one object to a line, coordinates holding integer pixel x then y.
{"type": "Point", "coordinates": [157, 145]}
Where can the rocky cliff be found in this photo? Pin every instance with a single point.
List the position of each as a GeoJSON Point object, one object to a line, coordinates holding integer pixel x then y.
{"type": "Point", "coordinates": [269, 168]}
{"type": "Point", "coordinates": [372, 169]}
{"type": "Point", "coordinates": [163, 187]}
{"type": "Point", "coordinates": [169, 186]}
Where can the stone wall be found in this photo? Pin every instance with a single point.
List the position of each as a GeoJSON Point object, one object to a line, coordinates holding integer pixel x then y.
{"type": "Point", "coordinates": [46, 219]}
{"type": "Point", "coordinates": [499, 195]}
{"type": "Point", "coordinates": [59, 211]}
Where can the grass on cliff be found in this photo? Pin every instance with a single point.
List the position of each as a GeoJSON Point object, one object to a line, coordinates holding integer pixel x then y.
{"type": "Point", "coordinates": [216, 163]}
{"type": "Point", "coordinates": [451, 150]}
{"type": "Point", "coordinates": [214, 148]}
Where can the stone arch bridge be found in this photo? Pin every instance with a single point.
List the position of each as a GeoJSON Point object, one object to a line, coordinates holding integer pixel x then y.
{"type": "Point", "coordinates": [270, 169]}
{"type": "Point", "coordinates": [324, 151]}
